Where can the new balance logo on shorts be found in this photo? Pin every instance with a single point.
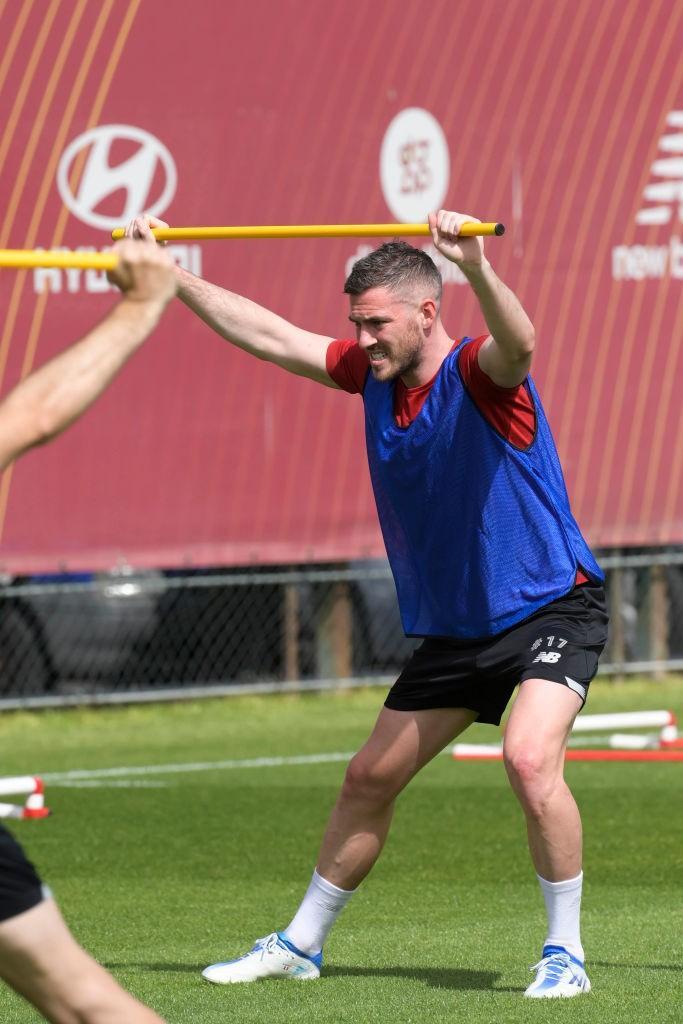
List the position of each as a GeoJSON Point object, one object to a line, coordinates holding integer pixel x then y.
{"type": "Point", "coordinates": [548, 657]}
{"type": "Point", "coordinates": [552, 657]}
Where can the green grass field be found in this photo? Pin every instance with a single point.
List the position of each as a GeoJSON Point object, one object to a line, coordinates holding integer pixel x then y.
{"type": "Point", "coordinates": [161, 873]}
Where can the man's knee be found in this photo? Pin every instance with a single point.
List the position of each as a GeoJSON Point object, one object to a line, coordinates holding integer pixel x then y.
{"type": "Point", "coordinates": [524, 762]}
{"type": "Point", "coordinates": [533, 773]}
{"type": "Point", "coordinates": [366, 780]}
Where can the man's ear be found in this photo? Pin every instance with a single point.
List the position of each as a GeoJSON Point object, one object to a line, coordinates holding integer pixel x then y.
{"type": "Point", "coordinates": [429, 310]}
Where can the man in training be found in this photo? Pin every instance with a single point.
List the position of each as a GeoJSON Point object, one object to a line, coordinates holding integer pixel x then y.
{"type": "Point", "coordinates": [489, 564]}
{"type": "Point", "coordinates": [39, 957]}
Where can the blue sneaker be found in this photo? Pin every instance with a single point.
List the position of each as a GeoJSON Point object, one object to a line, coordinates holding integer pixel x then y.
{"type": "Point", "coordinates": [558, 975]}
{"type": "Point", "coordinates": [272, 957]}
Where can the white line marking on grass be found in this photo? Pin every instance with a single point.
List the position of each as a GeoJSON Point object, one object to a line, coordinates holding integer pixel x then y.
{"type": "Point", "coordinates": [196, 766]}
{"type": "Point", "coordinates": [111, 784]}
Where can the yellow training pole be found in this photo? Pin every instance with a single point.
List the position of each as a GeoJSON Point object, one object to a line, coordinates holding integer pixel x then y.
{"type": "Point", "coordinates": [26, 258]}
{"type": "Point", "coordinates": [311, 231]}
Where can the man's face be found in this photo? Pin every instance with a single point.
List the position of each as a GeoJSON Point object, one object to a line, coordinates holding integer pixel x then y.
{"type": "Point", "coordinates": [389, 330]}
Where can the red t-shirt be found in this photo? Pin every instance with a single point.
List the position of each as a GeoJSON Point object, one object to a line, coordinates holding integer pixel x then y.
{"type": "Point", "coordinates": [510, 411]}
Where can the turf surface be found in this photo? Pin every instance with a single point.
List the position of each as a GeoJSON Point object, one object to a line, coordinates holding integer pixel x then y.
{"type": "Point", "coordinates": [161, 877]}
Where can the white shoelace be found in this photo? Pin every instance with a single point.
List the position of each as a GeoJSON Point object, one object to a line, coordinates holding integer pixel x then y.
{"type": "Point", "coordinates": [262, 946]}
{"type": "Point", "coordinates": [554, 966]}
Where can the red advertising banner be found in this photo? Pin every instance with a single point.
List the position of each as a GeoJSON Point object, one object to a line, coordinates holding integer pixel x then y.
{"type": "Point", "coordinates": [562, 120]}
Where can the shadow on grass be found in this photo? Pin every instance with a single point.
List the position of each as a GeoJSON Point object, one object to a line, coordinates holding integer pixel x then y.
{"type": "Point", "coordinates": [165, 966]}
{"type": "Point", "coordinates": [456, 978]}
{"type": "Point", "coordinates": [636, 967]}
{"type": "Point", "coordinates": [438, 977]}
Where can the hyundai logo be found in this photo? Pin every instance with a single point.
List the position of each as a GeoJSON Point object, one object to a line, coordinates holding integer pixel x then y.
{"type": "Point", "coordinates": [99, 179]}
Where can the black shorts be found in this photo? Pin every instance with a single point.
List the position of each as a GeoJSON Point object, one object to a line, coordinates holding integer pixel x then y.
{"type": "Point", "coordinates": [561, 642]}
{"type": "Point", "coordinates": [20, 886]}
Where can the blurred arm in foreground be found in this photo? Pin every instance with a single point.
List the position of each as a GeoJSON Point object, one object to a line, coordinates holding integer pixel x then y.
{"type": "Point", "coordinates": [39, 956]}
{"type": "Point", "coordinates": [49, 400]}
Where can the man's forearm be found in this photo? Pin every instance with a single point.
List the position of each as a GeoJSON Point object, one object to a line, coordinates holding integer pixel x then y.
{"type": "Point", "coordinates": [505, 318]}
{"type": "Point", "coordinates": [51, 398]}
{"type": "Point", "coordinates": [242, 322]}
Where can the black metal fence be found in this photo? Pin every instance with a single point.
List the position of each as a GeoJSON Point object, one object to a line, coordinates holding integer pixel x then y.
{"type": "Point", "coordinates": [153, 635]}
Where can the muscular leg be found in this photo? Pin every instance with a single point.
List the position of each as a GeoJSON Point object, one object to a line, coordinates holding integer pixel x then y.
{"type": "Point", "coordinates": [42, 961]}
{"type": "Point", "coordinates": [535, 742]}
{"type": "Point", "coordinates": [401, 743]}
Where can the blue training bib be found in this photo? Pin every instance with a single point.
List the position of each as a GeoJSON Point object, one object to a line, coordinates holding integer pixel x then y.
{"type": "Point", "coordinates": [479, 534]}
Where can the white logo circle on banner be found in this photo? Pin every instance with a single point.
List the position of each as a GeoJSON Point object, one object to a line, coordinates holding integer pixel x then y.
{"type": "Point", "coordinates": [414, 165]}
{"type": "Point", "coordinates": [134, 177]}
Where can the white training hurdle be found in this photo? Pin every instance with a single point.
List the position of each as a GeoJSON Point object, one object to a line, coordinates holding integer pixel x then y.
{"type": "Point", "coordinates": [663, 745]}
{"type": "Point", "coordinates": [32, 786]}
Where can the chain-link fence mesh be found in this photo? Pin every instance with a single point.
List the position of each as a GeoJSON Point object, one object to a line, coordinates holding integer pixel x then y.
{"type": "Point", "coordinates": [130, 635]}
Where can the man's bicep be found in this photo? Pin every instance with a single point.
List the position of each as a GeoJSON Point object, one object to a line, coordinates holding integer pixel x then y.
{"type": "Point", "coordinates": [504, 371]}
{"type": "Point", "coordinates": [305, 354]}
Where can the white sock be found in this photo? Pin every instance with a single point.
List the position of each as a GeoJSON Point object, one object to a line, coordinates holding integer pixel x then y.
{"type": "Point", "coordinates": [320, 908]}
{"type": "Point", "coordinates": [563, 906]}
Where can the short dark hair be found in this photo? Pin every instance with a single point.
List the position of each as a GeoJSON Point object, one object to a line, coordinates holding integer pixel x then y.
{"type": "Point", "coordinates": [397, 266]}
